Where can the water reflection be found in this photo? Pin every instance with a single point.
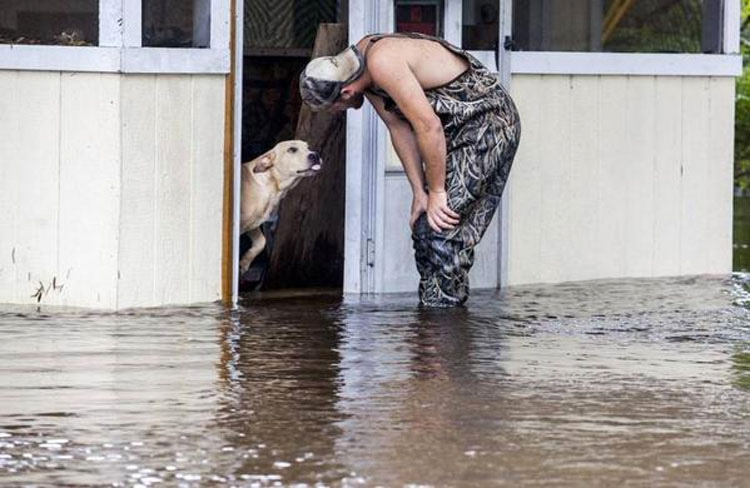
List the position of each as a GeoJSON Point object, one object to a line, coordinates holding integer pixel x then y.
{"type": "Point", "coordinates": [279, 369]}
{"type": "Point", "coordinates": [574, 384]}
{"type": "Point", "coordinates": [421, 391]}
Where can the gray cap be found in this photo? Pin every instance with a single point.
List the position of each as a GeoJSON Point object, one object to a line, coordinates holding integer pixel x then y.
{"type": "Point", "coordinates": [323, 78]}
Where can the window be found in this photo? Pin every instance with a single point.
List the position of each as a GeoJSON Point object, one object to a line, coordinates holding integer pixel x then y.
{"type": "Point", "coordinates": [176, 23]}
{"type": "Point", "coordinates": [423, 16]}
{"type": "Point", "coordinates": [480, 24]}
{"type": "Point", "coordinates": [49, 22]}
{"type": "Point", "coordinates": [666, 26]}
{"type": "Point", "coordinates": [285, 27]}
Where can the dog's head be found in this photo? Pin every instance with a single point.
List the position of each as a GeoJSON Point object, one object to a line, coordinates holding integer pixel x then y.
{"type": "Point", "coordinates": [289, 160]}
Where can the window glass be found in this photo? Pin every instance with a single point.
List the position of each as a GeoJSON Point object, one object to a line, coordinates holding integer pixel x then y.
{"type": "Point", "coordinates": [176, 23]}
{"type": "Point", "coordinates": [672, 26]}
{"type": "Point", "coordinates": [49, 22]}
{"type": "Point", "coordinates": [480, 24]}
{"type": "Point", "coordinates": [423, 16]}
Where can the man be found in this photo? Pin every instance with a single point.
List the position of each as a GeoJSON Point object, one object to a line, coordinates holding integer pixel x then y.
{"type": "Point", "coordinates": [445, 110]}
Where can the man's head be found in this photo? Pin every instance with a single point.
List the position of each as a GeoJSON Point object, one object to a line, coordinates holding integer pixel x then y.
{"type": "Point", "coordinates": [328, 82]}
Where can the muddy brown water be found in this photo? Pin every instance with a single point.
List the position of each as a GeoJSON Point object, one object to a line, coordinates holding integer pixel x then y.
{"type": "Point", "coordinates": [628, 382]}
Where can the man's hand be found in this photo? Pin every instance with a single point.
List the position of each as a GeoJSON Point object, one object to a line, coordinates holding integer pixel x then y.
{"type": "Point", "coordinates": [439, 215]}
{"type": "Point", "coordinates": [418, 206]}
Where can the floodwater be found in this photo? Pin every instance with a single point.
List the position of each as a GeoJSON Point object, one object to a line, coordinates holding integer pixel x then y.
{"type": "Point", "coordinates": [639, 382]}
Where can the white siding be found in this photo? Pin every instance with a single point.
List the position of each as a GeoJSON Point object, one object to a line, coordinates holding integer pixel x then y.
{"type": "Point", "coordinates": [30, 157]}
{"type": "Point", "coordinates": [89, 183]}
{"type": "Point", "coordinates": [173, 133]}
{"type": "Point", "coordinates": [8, 153]}
{"type": "Point", "coordinates": [110, 187]}
{"type": "Point", "coordinates": [621, 176]}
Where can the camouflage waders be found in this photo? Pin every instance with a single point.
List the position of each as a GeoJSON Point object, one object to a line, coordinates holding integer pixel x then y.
{"type": "Point", "coordinates": [482, 132]}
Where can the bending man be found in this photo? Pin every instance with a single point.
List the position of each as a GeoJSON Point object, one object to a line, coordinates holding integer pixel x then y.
{"type": "Point", "coordinates": [445, 110]}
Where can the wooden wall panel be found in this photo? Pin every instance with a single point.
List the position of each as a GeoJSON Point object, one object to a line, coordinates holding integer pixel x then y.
{"type": "Point", "coordinates": [720, 182]}
{"type": "Point", "coordinates": [174, 130]}
{"type": "Point", "coordinates": [525, 179]}
{"type": "Point", "coordinates": [170, 224]}
{"type": "Point", "coordinates": [206, 188]}
{"type": "Point", "coordinates": [89, 183]}
{"type": "Point", "coordinates": [694, 211]}
{"type": "Point", "coordinates": [37, 182]}
{"type": "Point", "coordinates": [610, 243]}
{"type": "Point", "coordinates": [583, 210]}
{"type": "Point", "coordinates": [555, 179]}
{"type": "Point", "coordinates": [110, 188]}
{"type": "Point", "coordinates": [634, 177]}
{"type": "Point", "coordinates": [137, 259]}
{"type": "Point", "coordinates": [638, 184]}
{"type": "Point", "coordinates": [9, 152]}
{"type": "Point", "coordinates": [667, 176]}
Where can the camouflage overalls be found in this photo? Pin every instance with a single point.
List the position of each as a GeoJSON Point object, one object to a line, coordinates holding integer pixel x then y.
{"type": "Point", "coordinates": [482, 132]}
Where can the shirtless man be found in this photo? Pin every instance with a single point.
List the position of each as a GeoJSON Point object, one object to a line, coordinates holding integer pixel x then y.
{"type": "Point", "coordinates": [455, 130]}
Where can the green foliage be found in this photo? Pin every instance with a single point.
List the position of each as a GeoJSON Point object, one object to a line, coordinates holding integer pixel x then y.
{"type": "Point", "coordinates": [658, 26]}
{"type": "Point", "coordinates": [742, 107]}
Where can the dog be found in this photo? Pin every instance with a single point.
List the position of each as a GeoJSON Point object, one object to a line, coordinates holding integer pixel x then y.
{"type": "Point", "coordinates": [265, 181]}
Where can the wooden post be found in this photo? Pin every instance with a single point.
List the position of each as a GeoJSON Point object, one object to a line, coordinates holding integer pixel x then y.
{"type": "Point", "coordinates": [308, 245]}
{"type": "Point", "coordinates": [227, 261]}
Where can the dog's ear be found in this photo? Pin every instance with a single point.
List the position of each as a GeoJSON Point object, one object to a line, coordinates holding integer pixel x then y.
{"type": "Point", "coordinates": [265, 163]}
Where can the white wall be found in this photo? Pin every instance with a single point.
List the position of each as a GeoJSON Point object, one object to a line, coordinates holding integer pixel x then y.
{"type": "Point", "coordinates": [172, 162]}
{"type": "Point", "coordinates": [621, 176]}
{"type": "Point", "coordinates": [110, 188]}
{"type": "Point", "coordinates": [616, 176]}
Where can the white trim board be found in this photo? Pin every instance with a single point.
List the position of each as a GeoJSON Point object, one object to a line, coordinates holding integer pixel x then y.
{"type": "Point", "coordinates": [113, 59]}
{"type": "Point", "coordinates": [169, 60]}
{"type": "Point", "coordinates": [650, 64]}
{"type": "Point", "coordinates": [120, 50]}
{"type": "Point", "coordinates": [731, 40]}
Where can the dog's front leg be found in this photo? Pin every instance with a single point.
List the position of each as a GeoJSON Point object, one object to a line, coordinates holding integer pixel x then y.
{"type": "Point", "coordinates": [259, 242]}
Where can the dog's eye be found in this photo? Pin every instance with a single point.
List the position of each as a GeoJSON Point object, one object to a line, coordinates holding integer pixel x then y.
{"type": "Point", "coordinates": [292, 149]}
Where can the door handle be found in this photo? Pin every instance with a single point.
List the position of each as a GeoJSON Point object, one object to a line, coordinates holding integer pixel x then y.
{"type": "Point", "coordinates": [509, 44]}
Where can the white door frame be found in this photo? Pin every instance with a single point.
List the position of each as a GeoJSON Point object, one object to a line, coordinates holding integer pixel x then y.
{"type": "Point", "coordinates": [366, 151]}
{"type": "Point", "coordinates": [503, 60]}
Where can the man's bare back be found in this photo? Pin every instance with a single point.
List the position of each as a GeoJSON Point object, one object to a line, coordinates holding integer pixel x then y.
{"type": "Point", "coordinates": [432, 64]}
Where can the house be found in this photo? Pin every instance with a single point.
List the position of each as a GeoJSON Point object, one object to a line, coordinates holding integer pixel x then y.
{"type": "Point", "coordinates": [122, 142]}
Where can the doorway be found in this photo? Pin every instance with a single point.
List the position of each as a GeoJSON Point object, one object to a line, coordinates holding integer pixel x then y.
{"type": "Point", "coordinates": [305, 237]}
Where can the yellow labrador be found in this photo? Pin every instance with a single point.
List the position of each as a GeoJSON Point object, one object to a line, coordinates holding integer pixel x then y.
{"type": "Point", "coordinates": [265, 181]}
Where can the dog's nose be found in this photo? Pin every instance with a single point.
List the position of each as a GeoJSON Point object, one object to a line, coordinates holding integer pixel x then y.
{"type": "Point", "coordinates": [314, 157]}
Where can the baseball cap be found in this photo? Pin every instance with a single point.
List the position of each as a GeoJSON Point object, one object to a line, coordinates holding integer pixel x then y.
{"type": "Point", "coordinates": [322, 79]}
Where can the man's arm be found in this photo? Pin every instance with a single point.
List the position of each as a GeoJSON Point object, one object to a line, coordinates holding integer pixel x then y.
{"type": "Point", "coordinates": [406, 148]}
{"type": "Point", "coordinates": [393, 74]}
{"type": "Point", "coordinates": [404, 143]}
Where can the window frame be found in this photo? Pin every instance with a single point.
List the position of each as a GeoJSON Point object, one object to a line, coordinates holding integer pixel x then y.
{"type": "Point", "coordinates": [726, 63]}
{"type": "Point", "coordinates": [120, 49]}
